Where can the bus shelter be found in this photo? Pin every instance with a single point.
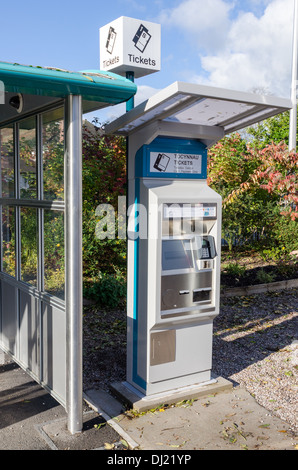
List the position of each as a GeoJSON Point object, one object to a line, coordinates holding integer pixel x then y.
{"type": "Point", "coordinates": [41, 220]}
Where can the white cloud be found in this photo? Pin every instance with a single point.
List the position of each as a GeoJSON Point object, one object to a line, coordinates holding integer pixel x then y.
{"type": "Point", "coordinates": [144, 93]}
{"type": "Point", "coordinates": [238, 49]}
{"type": "Point", "coordinates": [207, 21]}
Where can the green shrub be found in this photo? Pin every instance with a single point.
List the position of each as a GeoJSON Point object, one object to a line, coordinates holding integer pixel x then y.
{"type": "Point", "coordinates": [235, 269]}
{"type": "Point", "coordinates": [107, 290]}
{"type": "Point", "coordinates": [264, 277]}
{"type": "Point", "coordinates": [285, 232]}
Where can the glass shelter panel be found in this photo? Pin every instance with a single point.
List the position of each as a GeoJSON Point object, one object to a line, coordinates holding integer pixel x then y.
{"type": "Point", "coordinates": [29, 245]}
{"type": "Point", "coordinates": [53, 156]}
{"type": "Point", "coordinates": [54, 253]}
{"type": "Point", "coordinates": [27, 152]}
{"type": "Point", "coordinates": [7, 161]}
{"type": "Point", "coordinates": [32, 261]}
{"type": "Point", "coordinates": [8, 241]}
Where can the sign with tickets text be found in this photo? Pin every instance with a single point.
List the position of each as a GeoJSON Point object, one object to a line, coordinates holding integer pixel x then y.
{"type": "Point", "coordinates": [130, 45]}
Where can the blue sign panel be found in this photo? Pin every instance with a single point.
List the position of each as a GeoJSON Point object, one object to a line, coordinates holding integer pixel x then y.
{"type": "Point", "coordinates": [172, 158]}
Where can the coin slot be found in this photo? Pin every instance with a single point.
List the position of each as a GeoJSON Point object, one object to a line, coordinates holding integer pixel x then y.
{"type": "Point", "coordinates": [183, 292]}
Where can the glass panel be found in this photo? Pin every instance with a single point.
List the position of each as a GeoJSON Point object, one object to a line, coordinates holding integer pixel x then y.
{"type": "Point", "coordinates": [7, 161]}
{"type": "Point", "coordinates": [53, 156]}
{"type": "Point", "coordinates": [8, 240]}
{"type": "Point", "coordinates": [27, 143]}
{"type": "Point", "coordinates": [54, 252]}
{"type": "Point", "coordinates": [29, 250]}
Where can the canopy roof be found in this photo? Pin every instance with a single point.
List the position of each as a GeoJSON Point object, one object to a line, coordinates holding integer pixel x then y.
{"type": "Point", "coordinates": [200, 105]}
{"type": "Point", "coordinates": [41, 86]}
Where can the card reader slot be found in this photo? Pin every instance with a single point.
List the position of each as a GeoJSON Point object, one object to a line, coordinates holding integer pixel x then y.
{"type": "Point", "coordinates": [183, 292]}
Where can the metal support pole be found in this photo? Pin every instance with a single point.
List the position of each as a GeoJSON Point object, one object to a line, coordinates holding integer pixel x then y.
{"type": "Point", "coordinates": [130, 103]}
{"type": "Point", "coordinates": [73, 262]}
{"type": "Point", "coordinates": [293, 111]}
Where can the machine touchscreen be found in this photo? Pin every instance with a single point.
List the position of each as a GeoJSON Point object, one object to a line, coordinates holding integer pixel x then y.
{"type": "Point", "coordinates": [176, 254]}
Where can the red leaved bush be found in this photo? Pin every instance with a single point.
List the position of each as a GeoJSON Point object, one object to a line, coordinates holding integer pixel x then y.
{"type": "Point", "coordinates": [276, 172]}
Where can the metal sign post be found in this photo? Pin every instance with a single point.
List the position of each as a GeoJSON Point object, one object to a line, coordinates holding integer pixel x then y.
{"type": "Point", "coordinates": [293, 112]}
{"type": "Point", "coordinates": [130, 103]}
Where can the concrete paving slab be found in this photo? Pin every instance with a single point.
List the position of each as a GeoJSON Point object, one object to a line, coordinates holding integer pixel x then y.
{"type": "Point", "coordinates": [230, 420]}
{"type": "Point", "coordinates": [23, 406]}
{"type": "Point", "coordinates": [96, 434]}
{"type": "Point", "coordinates": [31, 419]}
{"type": "Point", "coordinates": [140, 402]}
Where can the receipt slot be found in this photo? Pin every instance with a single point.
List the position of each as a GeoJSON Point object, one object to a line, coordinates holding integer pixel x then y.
{"type": "Point", "coordinates": [173, 273]}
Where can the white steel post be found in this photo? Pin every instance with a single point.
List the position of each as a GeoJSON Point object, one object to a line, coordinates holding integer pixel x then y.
{"type": "Point", "coordinates": [293, 112]}
{"type": "Point", "coordinates": [73, 262]}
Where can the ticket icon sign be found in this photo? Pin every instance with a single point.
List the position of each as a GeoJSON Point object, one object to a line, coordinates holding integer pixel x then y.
{"type": "Point", "coordinates": [141, 38]}
{"type": "Point", "coordinates": [161, 162]}
{"type": "Point", "coordinates": [111, 40]}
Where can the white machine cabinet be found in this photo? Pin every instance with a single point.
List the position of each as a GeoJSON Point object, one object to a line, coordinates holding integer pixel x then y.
{"type": "Point", "coordinates": [174, 290]}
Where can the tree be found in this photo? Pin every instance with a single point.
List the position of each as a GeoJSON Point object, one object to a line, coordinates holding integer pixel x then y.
{"type": "Point", "coordinates": [259, 187]}
{"type": "Point", "coordinates": [104, 180]}
{"type": "Point", "coordinates": [272, 130]}
{"type": "Point", "coordinates": [246, 214]}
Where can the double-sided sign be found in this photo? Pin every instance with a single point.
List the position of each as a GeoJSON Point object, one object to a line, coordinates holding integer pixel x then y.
{"type": "Point", "coordinates": [130, 45]}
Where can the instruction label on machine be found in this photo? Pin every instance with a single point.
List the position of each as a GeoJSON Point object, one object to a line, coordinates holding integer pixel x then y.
{"type": "Point", "coordinates": [189, 211]}
{"type": "Point", "coordinates": [175, 163]}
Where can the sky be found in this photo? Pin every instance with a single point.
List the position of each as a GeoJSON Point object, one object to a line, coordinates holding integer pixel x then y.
{"type": "Point", "coordinates": [243, 45]}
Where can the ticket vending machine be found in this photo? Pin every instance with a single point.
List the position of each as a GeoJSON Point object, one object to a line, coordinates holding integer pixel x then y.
{"type": "Point", "coordinates": [174, 243]}
{"type": "Point", "coordinates": [174, 233]}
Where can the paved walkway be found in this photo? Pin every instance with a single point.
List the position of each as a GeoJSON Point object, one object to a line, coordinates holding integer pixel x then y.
{"type": "Point", "coordinates": [30, 419]}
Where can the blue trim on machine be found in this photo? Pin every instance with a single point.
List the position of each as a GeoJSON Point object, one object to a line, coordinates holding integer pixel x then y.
{"type": "Point", "coordinates": [136, 378]}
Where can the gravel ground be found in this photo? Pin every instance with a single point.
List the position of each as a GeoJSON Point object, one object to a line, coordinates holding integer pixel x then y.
{"type": "Point", "coordinates": [254, 346]}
